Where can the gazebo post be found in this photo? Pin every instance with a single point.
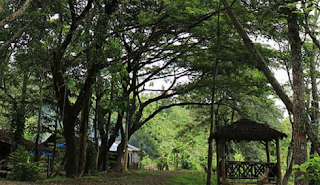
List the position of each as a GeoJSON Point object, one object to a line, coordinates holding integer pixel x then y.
{"type": "Point", "coordinates": [267, 151]}
{"type": "Point", "coordinates": [223, 161]}
{"type": "Point", "coordinates": [218, 161]}
{"type": "Point", "coordinates": [278, 160]}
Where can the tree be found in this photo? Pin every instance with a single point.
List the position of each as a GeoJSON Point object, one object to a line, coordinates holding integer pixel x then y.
{"type": "Point", "coordinates": [301, 122]}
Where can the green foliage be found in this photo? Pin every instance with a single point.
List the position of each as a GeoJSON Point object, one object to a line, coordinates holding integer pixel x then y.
{"type": "Point", "coordinates": [186, 162]}
{"type": "Point", "coordinates": [160, 164]}
{"type": "Point", "coordinates": [175, 133]}
{"type": "Point", "coordinates": [22, 169]}
{"type": "Point", "coordinates": [141, 155]}
{"type": "Point", "coordinates": [310, 169]}
{"type": "Point", "coordinates": [58, 179]}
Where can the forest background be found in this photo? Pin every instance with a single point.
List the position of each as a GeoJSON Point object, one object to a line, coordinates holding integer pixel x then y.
{"type": "Point", "coordinates": [87, 69]}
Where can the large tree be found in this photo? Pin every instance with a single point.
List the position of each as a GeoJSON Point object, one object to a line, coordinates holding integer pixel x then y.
{"type": "Point", "coordinates": [301, 124]}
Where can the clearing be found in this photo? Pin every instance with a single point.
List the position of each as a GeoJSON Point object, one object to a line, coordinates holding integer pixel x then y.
{"type": "Point", "coordinates": [139, 177]}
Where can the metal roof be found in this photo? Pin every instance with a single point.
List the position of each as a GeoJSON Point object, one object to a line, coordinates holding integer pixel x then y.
{"type": "Point", "coordinates": [130, 147]}
{"type": "Point", "coordinates": [113, 147]}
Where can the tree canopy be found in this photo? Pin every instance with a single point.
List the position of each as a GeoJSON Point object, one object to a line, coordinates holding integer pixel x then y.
{"type": "Point", "coordinates": [159, 72]}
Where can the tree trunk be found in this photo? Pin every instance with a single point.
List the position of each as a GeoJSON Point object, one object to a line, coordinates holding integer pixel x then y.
{"type": "Point", "coordinates": [1, 6]}
{"type": "Point", "coordinates": [105, 130]}
{"type": "Point", "coordinates": [315, 98]}
{"type": "Point", "coordinates": [125, 136]}
{"type": "Point", "coordinates": [287, 175]}
{"type": "Point", "coordinates": [95, 127]}
{"type": "Point", "coordinates": [18, 122]}
{"type": "Point", "coordinates": [55, 139]}
{"type": "Point", "coordinates": [299, 114]}
{"type": "Point", "coordinates": [71, 145]}
{"type": "Point", "coordinates": [120, 149]}
{"type": "Point", "coordinates": [212, 110]}
{"type": "Point", "coordinates": [84, 135]}
{"type": "Point", "coordinates": [36, 150]}
{"type": "Point", "coordinates": [125, 145]}
{"type": "Point", "coordinates": [130, 113]}
{"type": "Point", "coordinates": [104, 140]}
{"type": "Point", "coordinates": [114, 133]}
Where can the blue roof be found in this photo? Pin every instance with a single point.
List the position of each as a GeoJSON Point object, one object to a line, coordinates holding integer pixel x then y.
{"type": "Point", "coordinates": [63, 145]}
{"type": "Point", "coordinates": [41, 153]}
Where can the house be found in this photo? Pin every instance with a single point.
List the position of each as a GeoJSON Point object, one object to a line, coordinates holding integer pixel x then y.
{"type": "Point", "coordinates": [133, 152]}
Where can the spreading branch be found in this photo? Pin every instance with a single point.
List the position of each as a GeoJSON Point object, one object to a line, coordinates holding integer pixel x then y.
{"type": "Point", "coordinates": [21, 31]}
{"type": "Point", "coordinates": [14, 15]}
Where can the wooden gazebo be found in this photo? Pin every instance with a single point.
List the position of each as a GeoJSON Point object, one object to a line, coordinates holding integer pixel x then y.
{"type": "Point", "coordinates": [240, 172]}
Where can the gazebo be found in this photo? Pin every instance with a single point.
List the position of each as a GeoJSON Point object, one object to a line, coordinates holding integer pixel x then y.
{"type": "Point", "coordinates": [240, 172]}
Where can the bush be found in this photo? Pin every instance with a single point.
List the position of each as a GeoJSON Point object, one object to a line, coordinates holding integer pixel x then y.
{"type": "Point", "coordinates": [185, 162]}
{"type": "Point", "coordinates": [160, 164]}
{"type": "Point", "coordinates": [311, 169]}
{"type": "Point", "coordinates": [22, 169]}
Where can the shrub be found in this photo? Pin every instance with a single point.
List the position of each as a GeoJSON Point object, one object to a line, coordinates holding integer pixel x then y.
{"type": "Point", "coordinates": [160, 164]}
{"type": "Point", "coordinates": [311, 169]}
{"type": "Point", "coordinates": [22, 169]}
{"type": "Point", "coordinates": [185, 162]}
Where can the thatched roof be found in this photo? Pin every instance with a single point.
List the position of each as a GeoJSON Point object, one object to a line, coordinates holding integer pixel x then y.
{"type": "Point", "coordinates": [5, 137]}
{"type": "Point", "coordinates": [245, 129]}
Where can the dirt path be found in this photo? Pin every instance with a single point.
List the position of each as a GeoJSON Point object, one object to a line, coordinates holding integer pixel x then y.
{"type": "Point", "coordinates": [133, 178]}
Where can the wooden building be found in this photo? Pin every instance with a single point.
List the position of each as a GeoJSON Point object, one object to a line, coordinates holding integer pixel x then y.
{"type": "Point", "coordinates": [247, 172]}
{"type": "Point", "coordinates": [5, 150]}
{"type": "Point", "coordinates": [133, 154]}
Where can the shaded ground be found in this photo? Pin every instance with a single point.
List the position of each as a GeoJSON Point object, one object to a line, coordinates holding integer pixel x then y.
{"type": "Point", "coordinates": [133, 178]}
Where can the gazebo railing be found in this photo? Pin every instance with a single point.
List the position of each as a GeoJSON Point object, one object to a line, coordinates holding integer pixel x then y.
{"type": "Point", "coordinates": [249, 170]}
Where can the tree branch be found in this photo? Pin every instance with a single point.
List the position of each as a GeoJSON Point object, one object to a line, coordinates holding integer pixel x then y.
{"type": "Point", "coordinates": [21, 31]}
{"type": "Point", "coordinates": [14, 15]}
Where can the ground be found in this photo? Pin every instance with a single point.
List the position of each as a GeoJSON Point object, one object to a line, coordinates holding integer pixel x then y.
{"type": "Point", "coordinates": [141, 177]}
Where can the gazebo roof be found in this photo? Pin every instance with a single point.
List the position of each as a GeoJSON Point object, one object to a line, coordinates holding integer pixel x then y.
{"type": "Point", "coordinates": [5, 137]}
{"type": "Point", "coordinates": [247, 130]}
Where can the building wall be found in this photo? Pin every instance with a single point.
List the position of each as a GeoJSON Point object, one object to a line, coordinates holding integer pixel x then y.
{"type": "Point", "coordinates": [134, 159]}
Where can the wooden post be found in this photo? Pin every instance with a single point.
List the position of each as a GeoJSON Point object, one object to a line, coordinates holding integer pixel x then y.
{"type": "Point", "coordinates": [267, 150]}
{"type": "Point", "coordinates": [218, 161]}
{"type": "Point", "coordinates": [278, 160]}
{"type": "Point", "coordinates": [223, 162]}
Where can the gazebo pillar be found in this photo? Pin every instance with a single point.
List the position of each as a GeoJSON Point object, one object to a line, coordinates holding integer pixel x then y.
{"type": "Point", "coordinates": [267, 151]}
{"type": "Point", "coordinates": [278, 160]}
{"type": "Point", "coordinates": [223, 162]}
{"type": "Point", "coordinates": [218, 148]}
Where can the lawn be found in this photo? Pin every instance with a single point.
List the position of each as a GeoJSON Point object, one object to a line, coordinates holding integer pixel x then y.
{"type": "Point", "coordinates": [141, 177]}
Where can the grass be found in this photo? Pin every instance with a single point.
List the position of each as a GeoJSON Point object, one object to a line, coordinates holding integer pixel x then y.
{"type": "Point", "coordinates": [57, 179]}
{"type": "Point", "coordinates": [142, 177]}
{"type": "Point", "coordinates": [189, 178]}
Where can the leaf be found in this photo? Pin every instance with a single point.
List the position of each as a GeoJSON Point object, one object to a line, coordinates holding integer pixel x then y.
{"type": "Point", "coordinates": [300, 177]}
{"type": "Point", "coordinates": [297, 12]}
